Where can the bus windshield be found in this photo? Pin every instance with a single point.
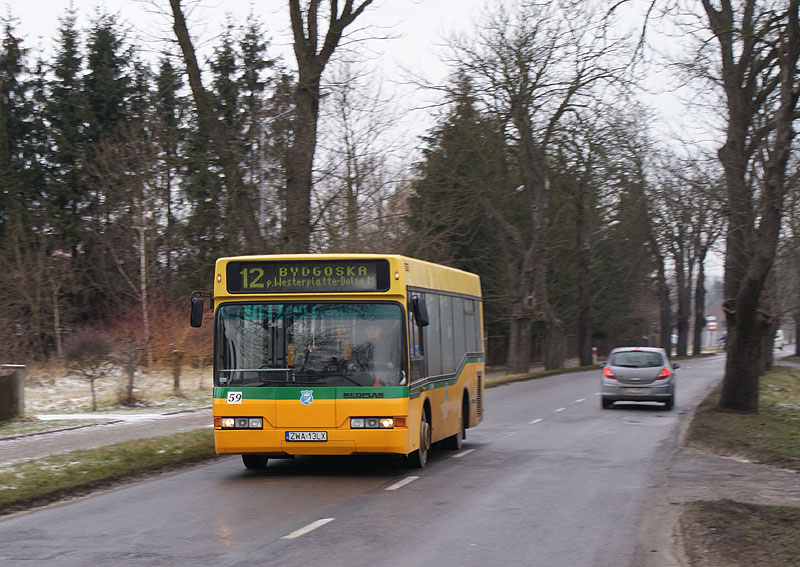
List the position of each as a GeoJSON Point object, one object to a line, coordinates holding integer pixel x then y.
{"type": "Point", "coordinates": [319, 344]}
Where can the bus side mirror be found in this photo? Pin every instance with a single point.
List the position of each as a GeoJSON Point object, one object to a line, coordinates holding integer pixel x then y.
{"type": "Point", "coordinates": [196, 317]}
{"type": "Point", "coordinates": [420, 310]}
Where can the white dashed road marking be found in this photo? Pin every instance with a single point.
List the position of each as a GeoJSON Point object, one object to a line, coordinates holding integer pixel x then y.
{"type": "Point", "coordinates": [402, 483]}
{"type": "Point", "coordinates": [309, 528]}
{"type": "Point", "coordinates": [463, 453]}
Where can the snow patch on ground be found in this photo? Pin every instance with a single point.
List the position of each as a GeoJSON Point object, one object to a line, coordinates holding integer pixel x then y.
{"type": "Point", "coordinates": [53, 390]}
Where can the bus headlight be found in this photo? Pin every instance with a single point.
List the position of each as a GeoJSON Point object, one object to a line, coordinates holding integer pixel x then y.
{"type": "Point", "coordinates": [239, 422]}
{"type": "Point", "coordinates": [372, 423]}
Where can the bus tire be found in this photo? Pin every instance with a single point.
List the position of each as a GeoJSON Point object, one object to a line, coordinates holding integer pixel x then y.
{"type": "Point", "coordinates": [254, 462]}
{"type": "Point", "coordinates": [456, 442]}
{"type": "Point", "coordinates": [419, 458]}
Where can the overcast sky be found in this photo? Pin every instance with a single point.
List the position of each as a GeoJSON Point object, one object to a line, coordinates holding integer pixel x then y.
{"type": "Point", "coordinates": [417, 26]}
{"type": "Point", "coordinates": [416, 30]}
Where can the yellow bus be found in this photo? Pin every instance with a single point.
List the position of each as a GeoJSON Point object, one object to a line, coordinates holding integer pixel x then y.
{"type": "Point", "coordinates": [328, 354]}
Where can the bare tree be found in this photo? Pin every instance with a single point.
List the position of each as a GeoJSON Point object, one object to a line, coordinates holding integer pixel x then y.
{"type": "Point", "coordinates": [311, 61]}
{"type": "Point", "coordinates": [637, 151]}
{"type": "Point", "coordinates": [787, 264]}
{"type": "Point", "coordinates": [686, 211]}
{"type": "Point", "coordinates": [532, 66]}
{"type": "Point", "coordinates": [88, 354]}
{"type": "Point", "coordinates": [355, 183]}
{"type": "Point", "coordinates": [759, 51]}
{"type": "Point", "coordinates": [241, 193]}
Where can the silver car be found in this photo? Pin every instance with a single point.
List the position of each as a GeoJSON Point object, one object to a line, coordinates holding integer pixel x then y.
{"type": "Point", "coordinates": [638, 374]}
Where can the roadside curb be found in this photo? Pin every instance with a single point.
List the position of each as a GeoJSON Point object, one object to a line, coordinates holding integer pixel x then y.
{"type": "Point", "coordinates": [56, 430]}
{"type": "Point", "coordinates": [100, 424]}
{"type": "Point", "coordinates": [668, 550]}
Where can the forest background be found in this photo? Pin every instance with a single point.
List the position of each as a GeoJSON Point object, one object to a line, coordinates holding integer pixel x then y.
{"type": "Point", "coordinates": [114, 202]}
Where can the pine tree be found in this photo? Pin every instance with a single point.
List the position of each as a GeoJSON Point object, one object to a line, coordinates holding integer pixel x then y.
{"type": "Point", "coordinates": [170, 109]}
{"type": "Point", "coordinates": [15, 132]}
{"type": "Point", "coordinates": [464, 163]}
{"type": "Point", "coordinates": [108, 86]}
{"type": "Point", "coordinates": [65, 112]}
{"type": "Point", "coordinates": [23, 247]}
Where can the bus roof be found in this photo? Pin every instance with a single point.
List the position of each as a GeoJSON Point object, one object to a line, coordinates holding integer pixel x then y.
{"type": "Point", "coordinates": [408, 271]}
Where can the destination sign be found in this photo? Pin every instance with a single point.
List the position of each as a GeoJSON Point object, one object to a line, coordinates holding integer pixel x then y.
{"type": "Point", "coordinates": [307, 276]}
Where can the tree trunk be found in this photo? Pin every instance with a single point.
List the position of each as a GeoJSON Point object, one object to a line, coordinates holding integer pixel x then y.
{"type": "Point", "coordinates": [299, 165]}
{"type": "Point", "coordinates": [585, 313]}
{"type": "Point", "coordinates": [797, 336]}
{"type": "Point", "coordinates": [750, 84]}
{"type": "Point", "coordinates": [143, 288]}
{"type": "Point", "coordinates": [519, 345]}
{"type": "Point", "coordinates": [553, 342]}
{"type": "Point", "coordinates": [239, 194]}
{"type": "Point", "coordinates": [743, 363]}
{"type": "Point", "coordinates": [310, 64]}
{"type": "Point", "coordinates": [55, 287]}
{"type": "Point", "coordinates": [699, 308]}
{"type": "Point", "coordinates": [683, 285]}
{"type": "Point", "coordinates": [664, 305]}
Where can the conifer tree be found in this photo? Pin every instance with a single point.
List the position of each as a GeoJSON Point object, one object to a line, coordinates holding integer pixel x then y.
{"type": "Point", "coordinates": [65, 113]}
{"type": "Point", "coordinates": [464, 163]}
{"type": "Point", "coordinates": [171, 109]}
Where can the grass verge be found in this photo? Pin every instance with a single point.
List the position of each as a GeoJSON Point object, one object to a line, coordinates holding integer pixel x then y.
{"type": "Point", "coordinates": [769, 436]}
{"type": "Point", "coordinates": [37, 482]}
{"type": "Point", "coordinates": [732, 533]}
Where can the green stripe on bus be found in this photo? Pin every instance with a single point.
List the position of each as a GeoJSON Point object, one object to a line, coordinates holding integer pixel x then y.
{"type": "Point", "coordinates": [454, 379]}
{"type": "Point", "coordinates": [334, 392]}
{"type": "Point", "coordinates": [320, 392]}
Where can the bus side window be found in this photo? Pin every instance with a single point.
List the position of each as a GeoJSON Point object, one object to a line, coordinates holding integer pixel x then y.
{"type": "Point", "coordinates": [416, 347]}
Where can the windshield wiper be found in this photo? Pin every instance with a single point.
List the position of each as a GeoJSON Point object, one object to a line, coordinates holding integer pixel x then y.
{"type": "Point", "coordinates": [288, 383]}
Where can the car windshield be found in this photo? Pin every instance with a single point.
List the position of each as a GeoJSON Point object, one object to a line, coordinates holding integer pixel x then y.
{"type": "Point", "coordinates": [320, 344]}
{"type": "Point", "coordinates": [637, 359]}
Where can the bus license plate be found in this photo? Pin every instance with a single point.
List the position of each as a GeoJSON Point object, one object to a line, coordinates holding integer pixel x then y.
{"type": "Point", "coordinates": [306, 435]}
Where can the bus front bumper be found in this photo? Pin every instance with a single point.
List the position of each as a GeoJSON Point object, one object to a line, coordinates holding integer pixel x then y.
{"type": "Point", "coordinates": [339, 442]}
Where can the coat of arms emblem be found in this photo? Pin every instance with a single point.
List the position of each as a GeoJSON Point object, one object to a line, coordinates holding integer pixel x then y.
{"type": "Point", "coordinates": [306, 397]}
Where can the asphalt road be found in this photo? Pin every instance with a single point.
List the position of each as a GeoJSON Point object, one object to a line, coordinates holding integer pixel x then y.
{"type": "Point", "coordinates": [548, 479]}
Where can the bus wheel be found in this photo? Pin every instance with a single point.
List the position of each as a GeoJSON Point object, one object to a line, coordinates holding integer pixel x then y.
{"type": "Point", "coordinates": [456, 442]}
{"type": "Point", "coordinates": [419, 458]}
{"type": "Point", "coordinates": [255, 462]}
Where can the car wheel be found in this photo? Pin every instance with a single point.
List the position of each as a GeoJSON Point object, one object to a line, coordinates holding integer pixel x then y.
{"type": "Point", "coordinates": [254, 462]}
{"type": "Point", "coordinates": [606, 403]}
